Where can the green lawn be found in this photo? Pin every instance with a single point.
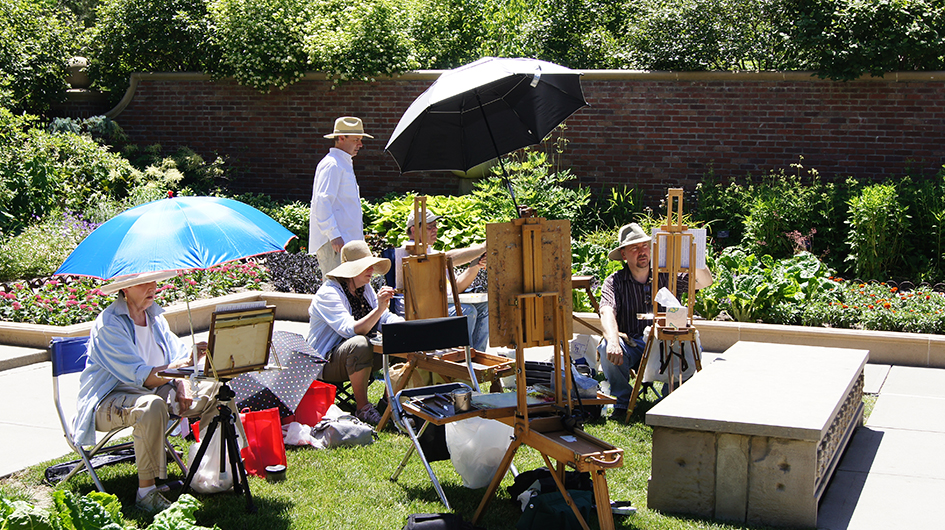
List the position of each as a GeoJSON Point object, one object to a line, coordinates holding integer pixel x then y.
{"type": "Point", "coordinates": [350, 488]}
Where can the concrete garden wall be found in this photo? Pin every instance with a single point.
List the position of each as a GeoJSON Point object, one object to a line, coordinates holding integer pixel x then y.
{"type": "Point", "coordinates": [886, 347]}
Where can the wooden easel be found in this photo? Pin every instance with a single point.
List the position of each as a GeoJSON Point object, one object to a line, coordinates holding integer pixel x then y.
{"type": "Point", "coordinates": [670, 239]}
{"type": "Point", "coordinates": [425, 275]}
{"type": "Point", "coordinates": [529, 298]}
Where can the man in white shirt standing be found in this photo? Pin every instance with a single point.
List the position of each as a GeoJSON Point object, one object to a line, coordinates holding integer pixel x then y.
{"type": "Point", "coordinates": [336, 200]}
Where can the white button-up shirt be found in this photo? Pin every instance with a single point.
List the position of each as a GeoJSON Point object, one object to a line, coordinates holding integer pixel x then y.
{"type": "Point", "coordinates": [336, 202]}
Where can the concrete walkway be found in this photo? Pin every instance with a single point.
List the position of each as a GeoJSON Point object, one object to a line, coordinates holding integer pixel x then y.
{"type": "Point", "coordinates": [892, 475]}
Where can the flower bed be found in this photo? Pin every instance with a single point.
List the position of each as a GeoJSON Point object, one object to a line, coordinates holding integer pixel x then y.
{"type": "Point", "coordinates": [66, 300]}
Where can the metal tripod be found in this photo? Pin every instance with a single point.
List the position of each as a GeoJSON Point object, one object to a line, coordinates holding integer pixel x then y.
{"type": "Point", "coordinates": [228, 448]}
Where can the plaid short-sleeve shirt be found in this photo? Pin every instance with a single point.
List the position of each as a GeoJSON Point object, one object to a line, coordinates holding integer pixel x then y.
{"type": "Point", "coordinates": [629, 297]}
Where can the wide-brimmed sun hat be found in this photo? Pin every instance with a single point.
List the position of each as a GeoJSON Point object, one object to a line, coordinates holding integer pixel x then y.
{"type": "Point", "coordinates": [124, 282]}
{"type": "Point", "coordinates": [431, 217]}
{"type": "Point", "coordinates": [630, 234]}
{"type": "Point", "coordinates": [356, 257]}
{"type": "Point", "coordinates": [348, 126]}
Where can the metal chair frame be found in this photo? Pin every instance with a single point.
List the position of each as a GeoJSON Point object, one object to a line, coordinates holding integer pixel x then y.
{"type": "Point", "coordinates": [424, 335]}
{"type": "Point", "coordinates": [68, 356]}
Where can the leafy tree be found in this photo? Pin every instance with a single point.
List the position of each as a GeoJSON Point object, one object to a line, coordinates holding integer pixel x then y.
{"type": "Point", "coordinates": [262, 42]}
{"type": "Point", "coordinates": [360, 40]}
{"type": "Point", "coordinates": [149, 36]}
{"type": "Point", "coordinates": [82, 10]}
{"type": "Point", "coordinates": [446, 33]}
{"type": "Point", "coordinates": [34, 55]}
{"type": "Point", "coordinates": [576, 33]}
{"type": "Point", "coordinates": [844, 39]}
{"type": "Point", "coordinates": [705, 35]}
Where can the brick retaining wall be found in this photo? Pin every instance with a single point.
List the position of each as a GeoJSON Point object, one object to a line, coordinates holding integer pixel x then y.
{"type": "Point", "coordinates": [647, 130]}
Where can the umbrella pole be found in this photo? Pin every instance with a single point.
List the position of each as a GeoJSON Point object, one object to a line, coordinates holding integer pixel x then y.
{"type": "Point", "coordinates": [505, 175]}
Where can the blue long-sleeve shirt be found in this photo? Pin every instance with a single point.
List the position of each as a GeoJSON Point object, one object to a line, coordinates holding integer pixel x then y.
{"type": "Point", "coordinates": [113, 359]}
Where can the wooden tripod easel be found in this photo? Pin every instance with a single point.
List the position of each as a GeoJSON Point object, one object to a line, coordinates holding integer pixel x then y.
{"type": "Point", "coordinates": [529, 310]}
{"type": "Point", "coordinates": [669, 241]}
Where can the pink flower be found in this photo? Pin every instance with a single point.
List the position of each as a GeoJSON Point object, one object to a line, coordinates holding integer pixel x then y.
{"type": "Point", "coordinates": [52, 283]}
{"type": "Point", "coordinates": [17, 306]}
{"type": "Point", "coordinates": [71, 303]}
{"type": "Point", "coordinates": [83, 306]}
{"type": "Point", "coordinates": [19, 286]}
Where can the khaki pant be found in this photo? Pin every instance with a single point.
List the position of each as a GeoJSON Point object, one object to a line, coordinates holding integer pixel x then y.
{"type": "Point", "coordinates": [328, 259]}
{"type": "Point", "coordinates": [351, 356]}
{"type": "Point", "coordinates": [145, 411]}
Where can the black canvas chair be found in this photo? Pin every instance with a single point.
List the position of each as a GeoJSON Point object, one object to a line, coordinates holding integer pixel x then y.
{"type": "Point", "coordinates": [424, 335]}
{"type": "Point", "coordinates": [68, 356]}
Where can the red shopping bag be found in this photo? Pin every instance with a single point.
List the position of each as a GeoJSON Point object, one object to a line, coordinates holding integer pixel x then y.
{"type": "Point", "coordinates": [264, 437]}
{"type": "Point", "coordinates": [314, 404]}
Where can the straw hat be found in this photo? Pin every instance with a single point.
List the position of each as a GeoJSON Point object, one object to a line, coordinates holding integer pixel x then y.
{"type": "Point", "coordinates": [630, 234]}
{"type": "Point", "coordinates": [124, 282]}
{"type": "Point", "coordinates": [356, 257]}
{"type": "Point", "coordinates": [348, 126]}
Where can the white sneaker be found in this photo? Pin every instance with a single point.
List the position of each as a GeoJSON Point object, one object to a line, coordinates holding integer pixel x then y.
{"type": "Point", "coordinates": [153, 502]}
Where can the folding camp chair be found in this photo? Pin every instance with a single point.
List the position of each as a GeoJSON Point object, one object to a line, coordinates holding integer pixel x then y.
{"type": "Point", "coordinates": [68, 356]}
{"type": "Point", "coordinates": [424, 335]}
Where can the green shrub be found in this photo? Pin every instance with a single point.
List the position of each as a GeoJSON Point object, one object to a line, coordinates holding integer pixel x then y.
{"type": "Point", "coordinates": [786, 211]}
{"type": "Point", "coordinates": [780, 215]}
{"type": "Point", "coordinates": [462, 225]}
{"type": "Point", "coordinates": [36, 42]}
{"type": "Point", "coordinates": [294, 216]}
{"type": "Point", "coordinates": [722, 204]}
{"type": "Point", "coordinates": [609, 209]}
{"type": "Point", "coordinates": [589, 258]}
{"type": "Point", "coordinates": [183, 170]}
{"type": "Point", "coordinates": [576, 33]}
{"type": "Point", "coordinates": [149, 36]}
{"type": "Point", "coordinates": [535, 185]}
{"type": "Point", "coordinates": [42, 172]}
{"type": "Point", "coordinates": [924, 249]}
{"type": "Point", "coordinates": [102, 129]}
{"type": "Point", "coordinates": [42, 247]}
{"type": "Point", "coordinates": [750, 288]}
{"type": "Point", "coordinates": [878, 224]}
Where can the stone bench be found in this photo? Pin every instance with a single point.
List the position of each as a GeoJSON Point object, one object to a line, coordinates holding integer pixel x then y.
{"type": "Point", "coordinates": [755, 436]}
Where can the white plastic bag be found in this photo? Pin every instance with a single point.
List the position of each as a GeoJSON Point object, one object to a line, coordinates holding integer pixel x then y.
{"type": "Point", "coordinates": [651, 371]}
{"type": "Point", "coordinates": [208, 478]}
{"type": "Point", "coordinates": [476, 448]}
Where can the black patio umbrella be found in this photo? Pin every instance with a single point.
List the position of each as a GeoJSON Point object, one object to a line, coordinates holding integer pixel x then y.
{"type": "Point", "coordinates": [484, 110]}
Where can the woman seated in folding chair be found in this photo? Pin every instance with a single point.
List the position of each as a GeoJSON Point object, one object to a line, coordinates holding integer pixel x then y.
{"type": "Point", "coordinates": [343, 313]}
{"type": "Point", "coordinates": [130, 342]}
